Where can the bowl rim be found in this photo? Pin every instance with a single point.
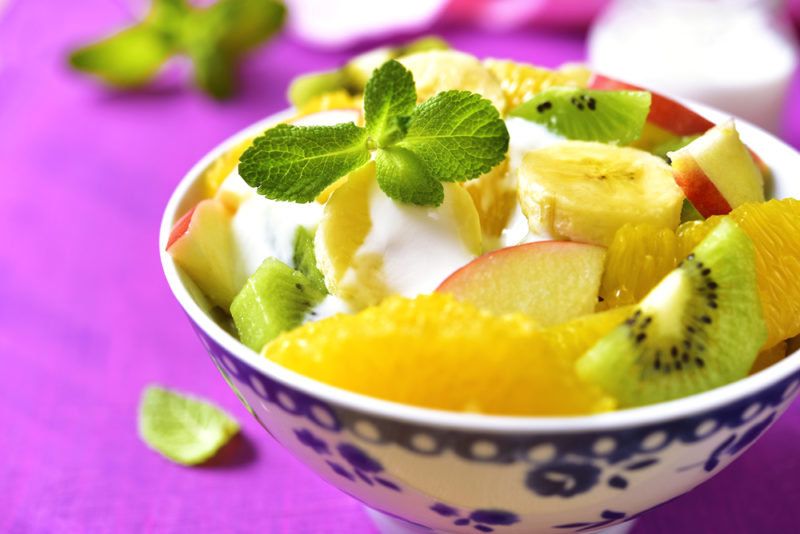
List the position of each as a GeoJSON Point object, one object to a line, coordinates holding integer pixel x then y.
{"type": "Point", "coordinates": [470, 422]}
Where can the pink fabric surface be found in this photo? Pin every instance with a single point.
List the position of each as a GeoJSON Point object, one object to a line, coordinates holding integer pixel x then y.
{"type": "Point", "coordinates": [87, 320]}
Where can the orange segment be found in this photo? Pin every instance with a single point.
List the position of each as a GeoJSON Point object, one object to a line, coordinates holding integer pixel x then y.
{"type": "Point", "coordinates": [221, 167]}
{"type": "Point", "coordinates": [773, 226]}
{"type": "Point", "coordinates": [520, 81]}
{"type": "Point", "coordinates": [495, 197]}
{"type": "Point", "coordinates": [437, 352]}
{"type": "Point", "coordinates": [639, 256]}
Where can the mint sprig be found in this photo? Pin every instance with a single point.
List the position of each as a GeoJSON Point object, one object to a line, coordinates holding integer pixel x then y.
{"type": "Point", "coordinates": [454, 136]}
{"type": "Point", "coordinates": [298, 162]}
{"type": "Point", "coordinates": [215, 38]}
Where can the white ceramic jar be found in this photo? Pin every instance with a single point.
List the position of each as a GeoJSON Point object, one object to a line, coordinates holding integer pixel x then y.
{"type": "Point", "coordinates": [735, 55]}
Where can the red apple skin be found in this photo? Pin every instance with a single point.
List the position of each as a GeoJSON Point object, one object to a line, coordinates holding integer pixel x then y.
{"type": "Point", "coordinates": [551, 281]}
{"type": "Point", "coordinates": [667, 113]}
{"type": "Point", "coordinates": [180, 227]}
{"type": "Point", "coordinates": [664, 112]}
{"type": "Point", "coordinates": [697, 186]}
{"type": "Point", "coordinates": [201, 244]}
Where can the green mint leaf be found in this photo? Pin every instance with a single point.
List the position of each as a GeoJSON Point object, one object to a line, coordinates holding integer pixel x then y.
{"type": "Point", "coordinates": [215, 38]}
{"type": "Point", "coordinates": [297, 163]}
{"type": "Point", "coordinates": [213, 71]}
{"type": "Point", "coordinates": [186, 430]}
{"type": "Point", "coordinates": [127, 59]}
{"type": "Point", "coordinates": [403, 177]}
{"type": "Point", "coordinates": [390, 93]}
{"type": "Point", "coordinates": [244, 24]}
{"type": "Point", "coordinates": [396, 129]}
{"type": "Point", "coordinates": [457, 135]}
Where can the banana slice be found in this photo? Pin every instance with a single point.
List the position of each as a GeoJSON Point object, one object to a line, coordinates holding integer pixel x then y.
{"type": "Point", "coordinates": [442, 70]}
{"type": "Point", "coordinates": [585, 191]}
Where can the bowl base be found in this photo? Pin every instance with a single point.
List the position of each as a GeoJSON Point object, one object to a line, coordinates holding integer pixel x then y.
{"type": "Point", "coordinates": [387, 524]}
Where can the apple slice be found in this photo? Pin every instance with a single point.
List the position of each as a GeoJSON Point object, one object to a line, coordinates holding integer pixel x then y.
{"type": "Point", "coordinates": [667, 114]}
{"type": "Point", "coordinates": [664, 112]}
{"type": "Point", "coordinates": [201, 243]}
{"type": "Point", "coordinates": [716, 171]}
{"type": "Point", "coordinates": [552, 281]}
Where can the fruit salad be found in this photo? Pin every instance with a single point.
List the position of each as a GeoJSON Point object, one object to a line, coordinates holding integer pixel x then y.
{"type": "Point", "coordinates": [490, 236]}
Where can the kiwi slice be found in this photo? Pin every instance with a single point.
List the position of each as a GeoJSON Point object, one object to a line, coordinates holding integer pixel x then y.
{"type": "Point", "coordinates": [700, 328]}
{"type": "Point", "coordinates": [275, 298]}
{"type": "Point", "coordinates": [689, 212]}
{"type": "Point", "coordinates": [614, 117]}
{"type": "Point", "coordinates": [305, 259]}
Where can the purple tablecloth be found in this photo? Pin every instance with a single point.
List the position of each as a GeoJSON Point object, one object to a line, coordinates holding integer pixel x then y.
{"type": "Point", "coordinates": [87, 320]}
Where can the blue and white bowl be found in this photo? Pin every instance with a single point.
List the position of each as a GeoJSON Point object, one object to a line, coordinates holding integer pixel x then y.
{"type": "Point", "coordinates": [422, 470]}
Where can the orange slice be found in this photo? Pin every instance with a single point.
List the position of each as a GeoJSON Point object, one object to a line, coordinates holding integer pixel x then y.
{"type": "Point", "coordinates": [437, 352]}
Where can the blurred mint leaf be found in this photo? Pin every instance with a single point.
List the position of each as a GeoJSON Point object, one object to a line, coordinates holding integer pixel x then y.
{"type": "Point", "coordinates": [389, 94]}
{"type": "Point", "coordinates": [457, 135]}
{"type": "Point", "coordinates": [298, 162]}
{"type": "Point", "coordinates": [215, 38]}
{"type": "Point", "coordinates": [184, 429]}
{"type": "Point", "coordinates": [128, 59]}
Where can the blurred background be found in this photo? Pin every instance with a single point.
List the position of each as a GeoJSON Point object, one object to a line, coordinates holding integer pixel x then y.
{"type": "Point", "coordinates": [87, 320]}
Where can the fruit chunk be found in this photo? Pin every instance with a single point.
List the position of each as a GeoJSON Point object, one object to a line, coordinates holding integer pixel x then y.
{"type": "Point", "coordinates": [222, 167]}
{"type": "Point", "coordinates": [700, 328]}
{"type": "Point", "coordinates": [437, 352]}
{"type": "Point", "coordinates": [201, 243]}
{"type": "Point", "coordinates": [773, 228]}
{"type": "Point", "coordinates": [275, 298]}
{"type": "Point", "coordinates": [306, 91]}
{"type": "Point", "coordinates": [441, 70]}
{"type": "Point", "coordinates": [304, 258]}
{"type": "Point", "coordinates": [585, 191]}
{"type": "Point", "coordinates": [615, 117]}
{"type": "Point", "coordinates": [520, 81]}
{"type": "Point", "coordinates": [768, 357]}
{"type": "Point", "coordinates": [368, 246]}
{"type": "Point", "coordinates": [716, 171]}
{"type": "Point", "coordinates": [551, 281]}
{"type": "Point", "coordinates": [664, 112]}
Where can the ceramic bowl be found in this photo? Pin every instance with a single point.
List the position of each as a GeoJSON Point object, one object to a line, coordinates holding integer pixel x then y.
{"type": "Point", "coordinates": [422, 470]}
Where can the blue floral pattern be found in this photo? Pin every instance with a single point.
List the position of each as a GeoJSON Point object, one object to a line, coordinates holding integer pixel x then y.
{"type": "Point", "coordinates": [559, 466]}
{"type": "Point", "coordinates": [361, 466]}
{"type": "Point", "coordinates": [480, 520]}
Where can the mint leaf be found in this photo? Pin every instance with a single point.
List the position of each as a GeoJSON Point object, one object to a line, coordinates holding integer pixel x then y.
{"type": "Point", "coordinates": [457, 135]}
{"type": "Point", "coordinates": [215, 38]}
{"type": "Point", "coordinates": [297, 163]}
{"type": "Point", "coordinates": [390, 93]}
{"type": "Point", "coordinates": [128, 59]}
{"type": "Point", "coordinates": [396, 129]}
{"type": "Point", "coordinates": [185, 430]}
{"type": "Point", "coordinates": [403, 177]}
{"type": "Point", "coordinates": [244, 24]}
{"type": "Point", "coordinates": [213, 71]}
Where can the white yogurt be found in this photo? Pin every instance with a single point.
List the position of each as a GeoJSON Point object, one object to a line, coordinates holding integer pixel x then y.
{"type": "Point", "coordinates": [420, 246]}
{"type": "Point", "coordinates": [264, 228]}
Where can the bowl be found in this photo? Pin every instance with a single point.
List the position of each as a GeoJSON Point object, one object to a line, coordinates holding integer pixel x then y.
{"type": "Point", "coordinates": [423, 470]}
